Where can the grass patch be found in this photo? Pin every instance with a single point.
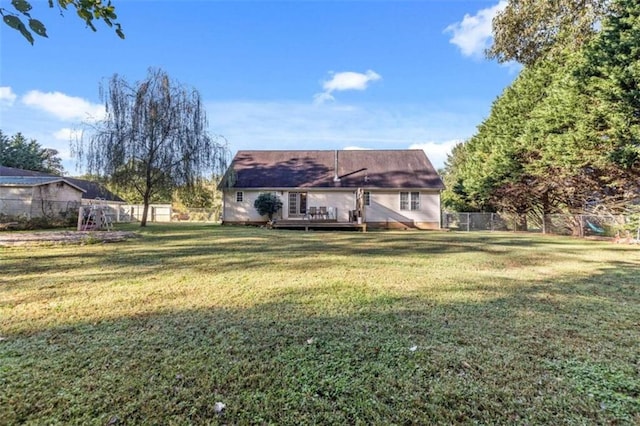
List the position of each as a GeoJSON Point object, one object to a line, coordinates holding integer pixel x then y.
{"type": "Point", "coordinates": [288, 327]}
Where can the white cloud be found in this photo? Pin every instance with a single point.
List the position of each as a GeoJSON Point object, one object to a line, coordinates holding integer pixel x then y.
{"type": "Point", "coordinates": [320, 98]}
{"type": "Point", "coordinates": [290, 125]}
{"type": "Point", "coordinates": [437, 152]}
{"type": "Point", "coordinates": [473, 34]}
{"type": "Point", "coordinates": [67, 134]}
{"type": "Point", "coordinates": [512, 67]}
{"type": "Point", "coordinates": [7, 97]}
{"type": "Point", "coordinates": [295, 125]}
{"type": "Point", "coordinates": [63, 106]}
{"type": "Point", "coordinates": [350, 81]}
{"type": "Point", "coordinates": [347, 80]}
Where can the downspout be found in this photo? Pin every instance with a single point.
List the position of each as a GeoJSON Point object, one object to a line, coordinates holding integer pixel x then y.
{"type": "Point", "coordinates": [224, 207]}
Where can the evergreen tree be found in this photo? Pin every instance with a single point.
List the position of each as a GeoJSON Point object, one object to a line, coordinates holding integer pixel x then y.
{"type": "Point", "coordinates": [20, 153]}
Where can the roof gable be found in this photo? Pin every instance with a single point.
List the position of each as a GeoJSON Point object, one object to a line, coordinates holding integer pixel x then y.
{"type": "Point", "coordinates": [90, 190]}
{"type": "Point", "coordinates": [94, 190]}
{"type": "Point", "coordinates": [384, 169]}
{"type": "Point", "coordinates": [31, 181]}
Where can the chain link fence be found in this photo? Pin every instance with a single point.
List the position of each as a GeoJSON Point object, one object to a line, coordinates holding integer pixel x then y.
{"type": "Point", "coordinates": [27, 209]}
{"type": "Point", "coordinates": [581, 225]}
{"type": "Point", "coordinates": [57, 212]}
{"type": "Point", "coordinates": [20, 210]}
{"type": "Point", "coordinates": [33, 214]}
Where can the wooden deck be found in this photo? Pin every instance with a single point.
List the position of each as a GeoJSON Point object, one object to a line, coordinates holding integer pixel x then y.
{"type": "Point", "coordinates": [319, 224]}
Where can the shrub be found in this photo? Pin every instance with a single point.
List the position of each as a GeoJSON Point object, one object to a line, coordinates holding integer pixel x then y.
{"type": "Point", "coordinates": [267, 204]}
{"type": "Point", "coordinates": [21, 223]}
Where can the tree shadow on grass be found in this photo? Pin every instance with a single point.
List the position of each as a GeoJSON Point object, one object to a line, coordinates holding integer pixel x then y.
{"type": "Point", "coordinates": [64, 271]}
{"type": "Point", "coordinates": [317, 356]}
{"type": "Point", "coordinates": [228, 248]}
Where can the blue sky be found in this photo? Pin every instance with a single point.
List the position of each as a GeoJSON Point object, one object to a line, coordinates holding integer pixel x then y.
{"type": "Point", "coordinates": [273, 75]}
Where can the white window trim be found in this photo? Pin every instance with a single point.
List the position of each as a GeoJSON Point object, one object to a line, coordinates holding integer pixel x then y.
{"type": "Point", "coordinates": [411, 201]}
{"type": "Point", "coordinates": [414, 200]}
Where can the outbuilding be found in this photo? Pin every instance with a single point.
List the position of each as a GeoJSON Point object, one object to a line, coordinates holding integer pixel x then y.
{"type": "Point", "coordinates": [31, 197]}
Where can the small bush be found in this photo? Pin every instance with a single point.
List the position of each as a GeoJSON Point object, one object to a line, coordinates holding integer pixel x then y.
{"type": "Point", "coordinates": [267, 204]}
{"type": "Point", "coordinates": [21, 223]}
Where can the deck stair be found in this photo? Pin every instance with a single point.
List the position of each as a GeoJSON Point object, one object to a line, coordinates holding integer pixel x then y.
{"type": "Point", "coordinates": [326, 224]}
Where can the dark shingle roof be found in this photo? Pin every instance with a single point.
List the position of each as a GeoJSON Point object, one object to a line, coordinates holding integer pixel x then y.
{"type": "Point", "coordinates": [316, 169]}
{"type": "Point", "coordinates": [92, 190]}
{"type": "Point", "coordinates": [95, 191]}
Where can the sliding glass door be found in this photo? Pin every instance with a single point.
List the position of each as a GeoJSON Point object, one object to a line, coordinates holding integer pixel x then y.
{"type": "Point", "coordinates": [297, 204]}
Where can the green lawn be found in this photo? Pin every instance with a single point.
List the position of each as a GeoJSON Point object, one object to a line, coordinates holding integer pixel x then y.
{"type": "Point", "coordinates": [289, 327]}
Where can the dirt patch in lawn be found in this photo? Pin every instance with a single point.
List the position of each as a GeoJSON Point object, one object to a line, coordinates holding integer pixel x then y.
{"type": "Point", "coordinates": [64, 237]}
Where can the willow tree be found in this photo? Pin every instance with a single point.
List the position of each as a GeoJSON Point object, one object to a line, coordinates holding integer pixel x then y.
{"type": "Point", "coordinates": [153, 138]}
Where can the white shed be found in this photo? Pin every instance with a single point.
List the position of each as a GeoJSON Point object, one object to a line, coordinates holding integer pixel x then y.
{"type": "Point", "coordinates": [38, 196]}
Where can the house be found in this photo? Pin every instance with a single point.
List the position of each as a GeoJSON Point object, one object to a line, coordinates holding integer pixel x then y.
{"type": "Point", "coordinates": [90, 192]}
{"type": "Point", "coordinates": [38, 196]}
{"type": "Point", "coordinates": [382, 188]}
{"type": "Point", "coordinates": [95, 194]}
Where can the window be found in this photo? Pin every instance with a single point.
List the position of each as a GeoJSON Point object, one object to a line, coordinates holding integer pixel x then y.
{"type": "Point", "coordinates": [239, 196]}
{"type": "Point", "coordinates": [415, 201]}
{"type": "Point", "coordinates": [367, 198]}
{"type": "Point", "coordinates": [409, 201]}
{"type": "Point", "coordinates": [404, 201]}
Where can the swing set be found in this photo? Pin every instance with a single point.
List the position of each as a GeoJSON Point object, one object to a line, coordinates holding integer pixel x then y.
{"type": "Point", "coordinates": [94, 217]}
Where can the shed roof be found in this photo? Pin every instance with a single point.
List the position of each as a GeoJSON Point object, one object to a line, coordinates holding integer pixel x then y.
{"type": "Point", "coordinates": [94, 190]}
{"type": "Point", "coordinates": [31, 181]}
{"type": "Point", "coordinates": [383, 169]}
{"type": "Point", "coordinates": [91, 190]}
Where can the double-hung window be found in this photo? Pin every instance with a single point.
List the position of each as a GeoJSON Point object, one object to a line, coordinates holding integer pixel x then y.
{"type": "Point", "coordinates": [409, 201]}
{"type": "Point", "coordinates": [367, 198]}
{"type": "Point", "coordinates": [415, 201]}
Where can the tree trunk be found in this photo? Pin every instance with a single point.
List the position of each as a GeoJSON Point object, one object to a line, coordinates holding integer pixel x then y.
{"type": "Point", "coordinates": [145, 210]}
{"type": "Point", "coordinates": [147, 192]}
{"type": "Point", "coordinates": [521, 222]}
{"type": "Point", "coordinates": [546, 208]}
